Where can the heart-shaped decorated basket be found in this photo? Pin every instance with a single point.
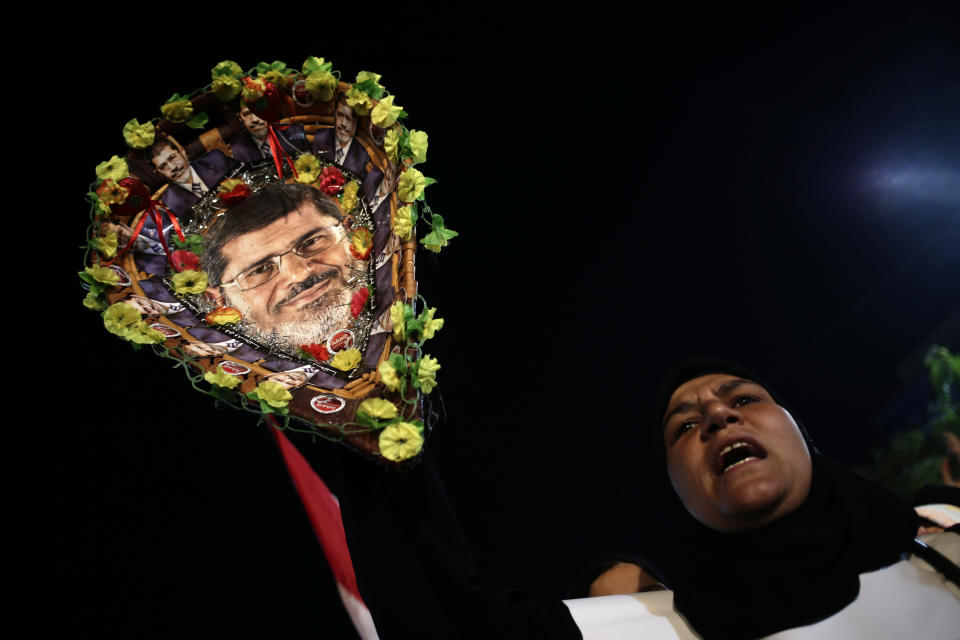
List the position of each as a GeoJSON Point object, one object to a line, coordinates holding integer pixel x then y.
{"type": "Point", "coordinates": [261, 231]}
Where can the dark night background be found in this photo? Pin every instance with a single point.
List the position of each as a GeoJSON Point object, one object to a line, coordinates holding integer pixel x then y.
{"type": "Point", "coordinates": [774, 191]}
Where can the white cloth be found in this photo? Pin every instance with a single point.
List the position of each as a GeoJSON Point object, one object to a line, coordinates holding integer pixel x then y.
{"type": "Point", "coordinates": [904, 600]}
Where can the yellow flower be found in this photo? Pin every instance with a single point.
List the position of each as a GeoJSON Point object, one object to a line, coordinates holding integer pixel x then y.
{"type": "Point", "coordinates": [378, 408]}
{"type": "Point", "coordinates": [308, 168]}
{"type": "Point", "coordinates": [399, 323]}
{"type": "Point", "coordinates": [221, 378]}
{"type": "Point", "coordinates": [93, 302]}
{"type": "Point", "coordinates": [105, 275]}
{"type": "Point", "coordinates": [178, 110]}
{"type": "Point", "coordinates": [389, 376]}
{"type": "Point", "coordinates": [385, 113]}
{"type": "Point", "coordinates": [346, 359]}
{"type": "Point", "coordinates": [321, 85]}
{"type": "Point", "coordinates": [138, 136]}
{"type": "Point", "coordinates": [121, 319]}
{"type": "Point", "coordinates": [430, 326]}
{"type": "Point", "coordinates": [348, 197]}
{"type": "Point", "coordinates": [273, 393]}
{"type": "Point", "coordinates": [359, 101]}
{"type": "Point", "coordinates": [411, 185]}
{"type": "Point", "coordinates": [107, 245]}
{"type": "Point", "coordinates": [400, 441]}
{"type": "Point", "coordinates": [226, 68]}
{"type": "Point", "coordinates": [143, 334]}
{"type": "Point", "coordinates": [226, 87]}
{"type": "Point", "coordinates": [190, 281]}
{"type": "Point", "coordinates": [418, 145]}
{"type": "Point", "coordinates": [390, 143]}
{"type": "Point", "coordinates": [278, 78]}
{"type": "Point", "coordinates": [427, 373]}
{"type": "Point", "coordinates": [402, 223]}
{"type": "Point", "coordinates": [113, 169]}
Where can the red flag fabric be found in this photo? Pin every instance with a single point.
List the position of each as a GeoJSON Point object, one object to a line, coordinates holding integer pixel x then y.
{"type": "Point", "coordinates": [323, 509]}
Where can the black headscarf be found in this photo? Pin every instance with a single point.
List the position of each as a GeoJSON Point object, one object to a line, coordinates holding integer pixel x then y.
{"type": "Point", "coordinates": [795, 571]}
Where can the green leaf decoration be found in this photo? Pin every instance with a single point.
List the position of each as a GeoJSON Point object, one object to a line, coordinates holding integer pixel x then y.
{"type": "Point", "coordinates": [192, 242]}
{"type": "Point", "coordinates": [198, 121]}
{"type": "Point", "coordinates": [276, 65]}
{"type": "Point", "coordinates": [439, 235]}
{"type": "Point", "coordinates": [370, 87]}
{"type": "Point", "coordinates": [374, 423]}
{"type": "Point", "coordinates": [399, 363]}
{"type": "Point", "coordinates": [314, 64]}
{"type": "Point", "coordinates": [175, 97]}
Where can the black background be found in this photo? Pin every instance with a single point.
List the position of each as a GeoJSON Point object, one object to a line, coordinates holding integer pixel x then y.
{"type": "Point", "coordinates": [627, 195]}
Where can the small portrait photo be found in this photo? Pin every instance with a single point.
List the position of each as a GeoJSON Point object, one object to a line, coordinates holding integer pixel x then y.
{"type": "Point", "coordinates": [187, 181]}
{"type": "Point", "coordinates": [339, 144]}
{"type": "Point", "coordinates": [252, 141]}
{"type": "Point", "coordinates": [203, 350]}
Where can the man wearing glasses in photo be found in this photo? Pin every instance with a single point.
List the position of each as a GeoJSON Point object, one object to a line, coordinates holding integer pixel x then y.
{"type": "Point", "coordinates": [282, 259]}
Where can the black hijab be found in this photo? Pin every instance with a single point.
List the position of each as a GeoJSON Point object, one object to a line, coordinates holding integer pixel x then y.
{"type": "Point", "coordinates": [795, 571]}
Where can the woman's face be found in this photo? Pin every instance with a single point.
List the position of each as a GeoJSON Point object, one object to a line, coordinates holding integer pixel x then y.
{"type": "Point", "coordinates": [735, 457]}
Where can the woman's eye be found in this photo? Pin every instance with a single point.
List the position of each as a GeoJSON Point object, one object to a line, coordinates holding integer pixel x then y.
{"type": "Point", "coordinates": [684, 427]}
{"type": "Point", "coordinates": [744, 400]}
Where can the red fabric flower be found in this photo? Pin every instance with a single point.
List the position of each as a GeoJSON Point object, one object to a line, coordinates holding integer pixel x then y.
{"type": "Point", "coordinates": [183, 260]}
{"type": "Point", "coordinates": [137, 201]}
{"type": "Point", "coordinates": [263, 98]}
{"type": "Point", "coordinates": [233, 194]}
{"type": "Point", "coordinates": [331, 181]}
{"type": "Point", "coordinates": [317, 351]}
{"type": "Point", "coordinates": [358, 301]}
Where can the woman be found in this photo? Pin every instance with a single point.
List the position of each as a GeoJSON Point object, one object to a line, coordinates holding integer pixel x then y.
{"type": "Point", "coordinates": [775, 536]}
{"type": "Point", "coordinates": [772, 535]}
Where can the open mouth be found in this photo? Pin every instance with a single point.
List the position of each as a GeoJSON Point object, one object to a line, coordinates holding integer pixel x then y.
{"type": "Point", "coordinates": [736, 454]}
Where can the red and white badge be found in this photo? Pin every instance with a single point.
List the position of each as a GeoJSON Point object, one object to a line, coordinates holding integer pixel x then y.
{"type": "Point", "coordinates": [234, 368]}
{"type": "Point", "coordinates": [299, 92]}
{"type": "Point", "coordinates": [124, 278]}
{"type": "Point", "coordinates": [327, 403]}
{"type": "Point", "coordinates": [340, 340]}
{"type": "Point", "coordinates": [168, 331]}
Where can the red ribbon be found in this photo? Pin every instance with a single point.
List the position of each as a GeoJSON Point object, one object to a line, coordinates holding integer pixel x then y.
{"type": "Point", "coordinates": [154, 213]}
{"type": "Point", "coordinates": [279, 155]}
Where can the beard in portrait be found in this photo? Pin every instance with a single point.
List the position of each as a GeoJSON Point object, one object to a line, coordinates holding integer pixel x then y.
{"type": "Point", "coordinates": [282, 259]}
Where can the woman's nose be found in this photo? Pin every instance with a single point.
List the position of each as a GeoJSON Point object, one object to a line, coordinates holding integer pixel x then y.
{"type": "Point", "coordinates": [718, 416]}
